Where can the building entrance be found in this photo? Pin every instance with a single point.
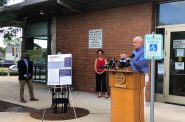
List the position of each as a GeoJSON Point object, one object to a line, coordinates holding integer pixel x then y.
{"type": "Point", "coordinates": [37, 43]}
{"type": "Point", "coordinates": [172, 68]}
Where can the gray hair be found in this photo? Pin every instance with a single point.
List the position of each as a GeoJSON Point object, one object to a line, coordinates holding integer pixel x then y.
{"type": "Point", "coordinates": [139, 38]}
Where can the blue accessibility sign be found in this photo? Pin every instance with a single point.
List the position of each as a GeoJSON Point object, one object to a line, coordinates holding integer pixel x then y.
{"type": "Point", "coordinates": [153, 46]}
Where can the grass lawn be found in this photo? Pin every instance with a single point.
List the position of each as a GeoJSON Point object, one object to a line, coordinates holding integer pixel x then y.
{"type": "Point", "coordinates": [4, 72]}
{"type": "Point", "coordinates": [4, 69]}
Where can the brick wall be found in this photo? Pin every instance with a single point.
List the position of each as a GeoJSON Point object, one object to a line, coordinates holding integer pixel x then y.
{"type": "Point", "coordinates": [119, 26]}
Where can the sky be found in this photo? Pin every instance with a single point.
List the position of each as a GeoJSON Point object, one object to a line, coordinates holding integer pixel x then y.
{"type": "Point", "coordinates": [172, 13]}
{"type": "Point", "coordinates": [42, 43]}
{"type": "Point", "coordinates": [14, 1]}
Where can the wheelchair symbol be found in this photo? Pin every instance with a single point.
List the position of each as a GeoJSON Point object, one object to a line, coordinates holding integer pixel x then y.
{"type": "Point", "coordinates": [153, 47]}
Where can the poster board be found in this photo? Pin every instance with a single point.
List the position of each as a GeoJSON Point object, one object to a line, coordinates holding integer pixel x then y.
{"type": "Point", "coordinates": [60, 69]}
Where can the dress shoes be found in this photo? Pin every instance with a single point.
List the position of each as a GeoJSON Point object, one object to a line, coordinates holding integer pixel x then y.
{"type": "Point", "coordinates": [34, 99]}
{"type": "Point", "coordinates": [23, 100]}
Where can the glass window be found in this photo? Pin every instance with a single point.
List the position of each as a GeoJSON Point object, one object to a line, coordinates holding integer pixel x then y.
{"type": "Point", "coordinates": [159, 72]}
{"type": "Point", "coordinates": [177, 59]}
{"type": "Point", "coordinates": [171, 13]}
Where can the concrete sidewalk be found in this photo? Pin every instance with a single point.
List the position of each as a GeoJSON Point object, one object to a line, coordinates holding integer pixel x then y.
{"type": "Point", "coordinates": [100, 108]}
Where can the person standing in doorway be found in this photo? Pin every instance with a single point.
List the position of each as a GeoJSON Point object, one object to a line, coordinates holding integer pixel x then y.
{"type": "Point", "coordinates": [25, 69]}
{"type": "Point", "coordinates": [100, 74]}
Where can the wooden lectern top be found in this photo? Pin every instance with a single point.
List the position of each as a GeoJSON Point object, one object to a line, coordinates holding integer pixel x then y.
{"type": "Point", "coordinates": [125, 78]}
{"type": "Point", "coordinates": [122, 70]}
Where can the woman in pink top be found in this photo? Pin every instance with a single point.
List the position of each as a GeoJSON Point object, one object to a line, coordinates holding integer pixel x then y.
{"type": "Point", "coordinates": [100, 74]}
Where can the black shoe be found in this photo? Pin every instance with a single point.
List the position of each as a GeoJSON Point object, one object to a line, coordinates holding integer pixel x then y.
{"type": "Point", "coordinates": [34, 99]}
{"type": "Point", "coordinates": [23, 100]}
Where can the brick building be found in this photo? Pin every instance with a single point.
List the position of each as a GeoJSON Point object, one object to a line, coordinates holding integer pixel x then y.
{"type": "Point", "coordinates": [66, 26]}
{"type": "Point", "coordinates": [119, 26]}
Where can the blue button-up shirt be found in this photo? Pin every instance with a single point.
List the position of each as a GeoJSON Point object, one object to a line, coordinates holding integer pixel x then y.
{"type": "Point", "coordinates": [139, 64]}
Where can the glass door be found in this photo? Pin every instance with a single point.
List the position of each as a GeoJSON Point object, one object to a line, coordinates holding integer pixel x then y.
{"type": "Point", "coordinates": [159, 72]}
{"type": "Point", "coordinates": [175, 70]}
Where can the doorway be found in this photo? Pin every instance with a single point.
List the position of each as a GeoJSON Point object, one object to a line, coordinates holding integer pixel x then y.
{"type": "Point", "coordinates": [171, 70]}
{"type": "Point", "coordinates": [38, 45]}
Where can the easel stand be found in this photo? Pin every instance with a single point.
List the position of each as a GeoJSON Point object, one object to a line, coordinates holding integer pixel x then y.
{"type": "Point", "coordinates": [60, 96]}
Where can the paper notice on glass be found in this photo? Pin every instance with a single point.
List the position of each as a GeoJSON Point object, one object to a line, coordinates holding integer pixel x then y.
{"type": "Point", "coordinates": [179, 65]}
{"type": "Point", "coordinates": [178, 44]}
{"type": "Point", "coordinates": [54, 78]}
{"type": "Point", "coordinates": [180, 53]}
{"type": "Point", "coordinates": [160, 67]}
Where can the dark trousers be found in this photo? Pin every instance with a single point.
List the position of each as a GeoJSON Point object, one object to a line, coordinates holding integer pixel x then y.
{"type": "Point", "coordinates": [101, 83]}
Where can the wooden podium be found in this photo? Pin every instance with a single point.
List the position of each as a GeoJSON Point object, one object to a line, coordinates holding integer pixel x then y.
{"type": "Point", "coordinates": [127, 95]}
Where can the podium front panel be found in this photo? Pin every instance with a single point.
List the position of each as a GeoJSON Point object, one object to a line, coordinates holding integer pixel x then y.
{"type": "Point", "coordinates": [127, 96]}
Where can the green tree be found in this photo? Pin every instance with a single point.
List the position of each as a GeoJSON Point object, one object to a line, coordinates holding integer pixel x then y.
{"type": "Point", "coordinates": [14, 41]}
{"type": "Point", "coordinates": [2, 50]}
{"type": "Point", "coordinates": [3, 2]}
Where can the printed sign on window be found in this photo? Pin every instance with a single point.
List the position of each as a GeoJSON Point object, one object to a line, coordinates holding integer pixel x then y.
{"type": "Point", "coordinates": [179, 65]}
{"type": "Point", "coordinates": [180, 53]}
{"type": "Point", "coordinates": [178, 44]}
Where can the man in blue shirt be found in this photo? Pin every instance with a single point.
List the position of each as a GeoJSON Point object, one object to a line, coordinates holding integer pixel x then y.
{"type": "Point", "coordinates": [138, 63]}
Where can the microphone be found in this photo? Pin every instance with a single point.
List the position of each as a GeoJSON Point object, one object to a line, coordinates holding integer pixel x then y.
{"type": "Point", "coordinates": [125, 62]}
{"type": "Point", "coordinates": [132, 56]}
{"type": "Point", "coordinates": [103, 66]}
{"type": "Point", "coordinates": [111, 63]}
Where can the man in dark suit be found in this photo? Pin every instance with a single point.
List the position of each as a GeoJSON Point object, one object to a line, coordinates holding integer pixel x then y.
{"type": "Point", "coordinates": [25, 69]}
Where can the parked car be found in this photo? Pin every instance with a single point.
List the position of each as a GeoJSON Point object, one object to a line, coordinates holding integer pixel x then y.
{"type": "Point", "coordinates": [6, 63]}
{"type": "Point", "coordinates": [13, 68]}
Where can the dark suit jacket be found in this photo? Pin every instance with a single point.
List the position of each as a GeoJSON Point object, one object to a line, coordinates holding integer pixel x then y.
{"type": "Point", "coordinates": [22, 69]}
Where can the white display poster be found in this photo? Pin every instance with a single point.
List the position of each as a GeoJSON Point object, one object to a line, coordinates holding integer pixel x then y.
{"type": "Point", "coordinates": [95, 38]}
{"type": "Point", "coordinates": [60, 69]}
{"type": "Point", "coordinates": [179, 65]}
